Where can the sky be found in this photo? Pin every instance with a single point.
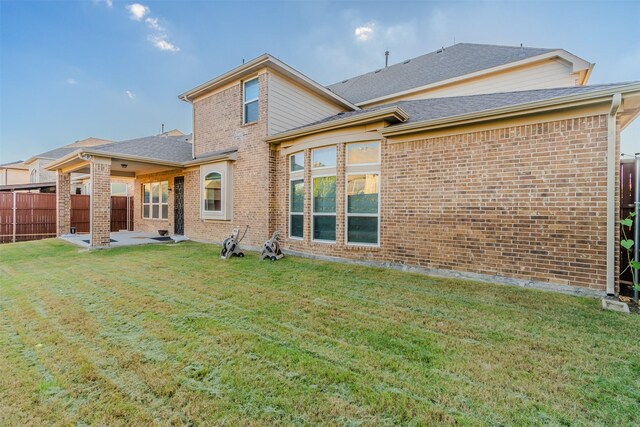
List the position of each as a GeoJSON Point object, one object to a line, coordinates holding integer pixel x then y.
{"type": "Point", "coordinates": [114, 69]}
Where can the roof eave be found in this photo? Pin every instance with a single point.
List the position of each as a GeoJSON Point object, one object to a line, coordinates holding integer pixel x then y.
{"type": "Point", "coordinates": [393, 113]}
{"type": "Point", "coordinates": [510, 111]}
{"type": "Point", "coordinates": [77, 153]}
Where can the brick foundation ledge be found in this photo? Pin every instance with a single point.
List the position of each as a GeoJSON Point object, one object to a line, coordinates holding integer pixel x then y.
{"type": "Point", "coordinates": [453, 274]}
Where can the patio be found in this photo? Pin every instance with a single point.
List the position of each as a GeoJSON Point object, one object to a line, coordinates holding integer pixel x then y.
{"type": "Point", "coordinates": [123, 238]}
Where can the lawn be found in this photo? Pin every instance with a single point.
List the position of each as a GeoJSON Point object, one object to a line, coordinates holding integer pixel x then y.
{"type": "Point", "coordinates": [168, 334]}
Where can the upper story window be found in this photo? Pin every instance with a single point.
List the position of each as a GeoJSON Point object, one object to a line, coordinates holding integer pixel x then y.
{"type": "Point", "coordinates": [250, 93]}
{"type": "Point", "coordinates": [33, 177]}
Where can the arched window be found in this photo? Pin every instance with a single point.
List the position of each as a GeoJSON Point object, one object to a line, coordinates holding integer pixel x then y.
{"type": "Point", "coordinates": [213, 192]}
{"type": "Point", "coordinates": [34, 176]}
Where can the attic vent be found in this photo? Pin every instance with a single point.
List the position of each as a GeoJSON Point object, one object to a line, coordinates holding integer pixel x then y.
{"type": "Point", "coordinates": [377, 71]}
{"type": "Point", "coordinates": [440, 50]}
{"type": "Point", "coordinates": [407, 61]}
{"type": "Point", "coordinates": [344, 81]}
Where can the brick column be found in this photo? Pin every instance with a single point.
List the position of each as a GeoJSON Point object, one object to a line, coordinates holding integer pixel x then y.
{"type": "Point", "coordinates": [100, 202]}
{"type": "Point", "coordinates": [63, 203]}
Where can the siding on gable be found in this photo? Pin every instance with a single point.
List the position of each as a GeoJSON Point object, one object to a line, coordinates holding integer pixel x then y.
{"type": "Point", "coordinates": [291, 106]}
{"type": "Point", "coordinates": [542, 75]}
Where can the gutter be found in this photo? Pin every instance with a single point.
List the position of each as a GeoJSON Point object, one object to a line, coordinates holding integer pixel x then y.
{"type": "Point", "coordinates": [612, 160]}
{"type": "Point", "coordinates": [393, 112]}
{"type": "Point", "coordinates": [80, 154]}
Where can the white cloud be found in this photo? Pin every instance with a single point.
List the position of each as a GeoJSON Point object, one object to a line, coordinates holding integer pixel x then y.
{"type": "Point", "coordinates": [109, 3]}
{"type": "Point", "coordinates": [153, 23]}
{"type": "Point", "coordinates": [160, 41]}
{"type": "Point", "coordinates": [130, 94]}
{"type": "Point", "coordinates": [72, 82]}
{"type": "Point", "coordinates": [137, 11]}
{"type": "Point", "coordinates": [364, 32]}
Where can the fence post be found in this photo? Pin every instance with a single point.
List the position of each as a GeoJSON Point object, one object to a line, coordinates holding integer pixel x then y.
{"type": "Point", "coordinates": [14, 217]}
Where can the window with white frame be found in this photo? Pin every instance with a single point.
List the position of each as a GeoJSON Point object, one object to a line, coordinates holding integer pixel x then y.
{"type": "Point", "coordinates": [216, 191]}
{"type": "Point", "coordinates": [323, 190]}
{"type": "Point", "coordinates": [155, 200]}
{"type": "Point", "coordinates": [296, 195]}
{"type": "Point", "coordinates": [250, 104]}
{"type": "Point", "coordinates": [119, 189]}
{"type": "Point", "coordinates": [363, 193]}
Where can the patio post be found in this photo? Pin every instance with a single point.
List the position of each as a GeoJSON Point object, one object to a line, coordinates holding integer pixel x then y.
{"type": "Point", "coordinates": [63, 203]}
{"type": "Point", "coordinates": [100, 202]}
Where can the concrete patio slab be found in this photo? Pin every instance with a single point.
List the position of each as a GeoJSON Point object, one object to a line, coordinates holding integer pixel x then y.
{"type": "Point", "coordinates": [124, 238]}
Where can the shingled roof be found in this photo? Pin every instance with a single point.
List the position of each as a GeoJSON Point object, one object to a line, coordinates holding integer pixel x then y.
{"type": "Point", "coordinates": [423, 110]}
{"type": "Point", "coordinates": [166, 148]}
{"type": "Point", "coordinates": [453, 61]}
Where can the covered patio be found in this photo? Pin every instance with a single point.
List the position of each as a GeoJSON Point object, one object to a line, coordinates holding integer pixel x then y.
{"type": "Point", "coordinates": [101, 168]}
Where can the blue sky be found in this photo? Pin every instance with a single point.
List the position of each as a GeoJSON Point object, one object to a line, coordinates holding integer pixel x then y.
{"type": "Point", "coordinates": [111, 69]}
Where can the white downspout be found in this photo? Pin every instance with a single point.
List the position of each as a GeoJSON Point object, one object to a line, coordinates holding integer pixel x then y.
{"type": "Point", "coordinates": [612, 165]}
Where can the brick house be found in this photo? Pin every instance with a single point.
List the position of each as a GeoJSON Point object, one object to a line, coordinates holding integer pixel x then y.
{"type": "Point", "coordinates": [491, 162]}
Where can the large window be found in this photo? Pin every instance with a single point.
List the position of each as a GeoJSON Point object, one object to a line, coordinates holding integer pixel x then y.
{"type": "Point", "coordinates": [296, 196]}
{"type": "Point", "coordinates": [323, 204]}
{"type": "Point", "coordinates": [250, 104]}
{"type": "Point", "coordinates": [155, 200]}
{"type": "Point", "coordinates": [213, 192]}
{"type": "Point", "coordinates": [324, 208]}
{"type": "Point", "coordinates": [363, 193]}
{"type": "Point", "coordinates": [362, 208]}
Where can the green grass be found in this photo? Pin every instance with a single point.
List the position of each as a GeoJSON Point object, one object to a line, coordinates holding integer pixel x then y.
{"type": "Point", "coordinates": [170, 334]}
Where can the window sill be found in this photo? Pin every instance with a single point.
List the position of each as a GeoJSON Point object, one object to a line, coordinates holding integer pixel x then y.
{"type": "Point", "coordinates": [244, 125]}
{"type": "Point", "coordinates": [156, 219]}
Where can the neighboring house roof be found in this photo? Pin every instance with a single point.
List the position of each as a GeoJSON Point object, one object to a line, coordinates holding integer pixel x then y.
{"type": "Point", "coordinates": [89, 142]}
{"type": "Point", "coordinates": [56, 153]}
{"type": "Point", "coordinates": [455, 61]}
{"type": "Point", "coordinates": [427, 110]}
{"type": "Point", "coordinates": [15, 165]}
{"type": "Point", "coordinates": [254, 65]}
{"type": "Point", "coordinates": [29, 186]}
{"type": "Point", "coordinates": [165, 148]}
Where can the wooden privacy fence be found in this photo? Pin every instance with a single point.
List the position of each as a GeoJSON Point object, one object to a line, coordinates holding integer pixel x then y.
{"type": "Point", "coordinates": [32, 216]}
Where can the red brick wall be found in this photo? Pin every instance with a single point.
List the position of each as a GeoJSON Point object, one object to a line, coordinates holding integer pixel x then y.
{"type": "Point", "coordinates": [526, 202]}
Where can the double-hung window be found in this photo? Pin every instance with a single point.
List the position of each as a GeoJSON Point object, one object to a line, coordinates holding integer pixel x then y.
{"type": "Point", "coordinates": [323, 190]}
{"type": "Point", "coordinates": [155, 200]}
{"type": "Point", "coordinates": [296, 195]}
{"type": "Point", "coordinates": [363, 193]}
{"type": "Point", "coordinates": [250, 104]}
